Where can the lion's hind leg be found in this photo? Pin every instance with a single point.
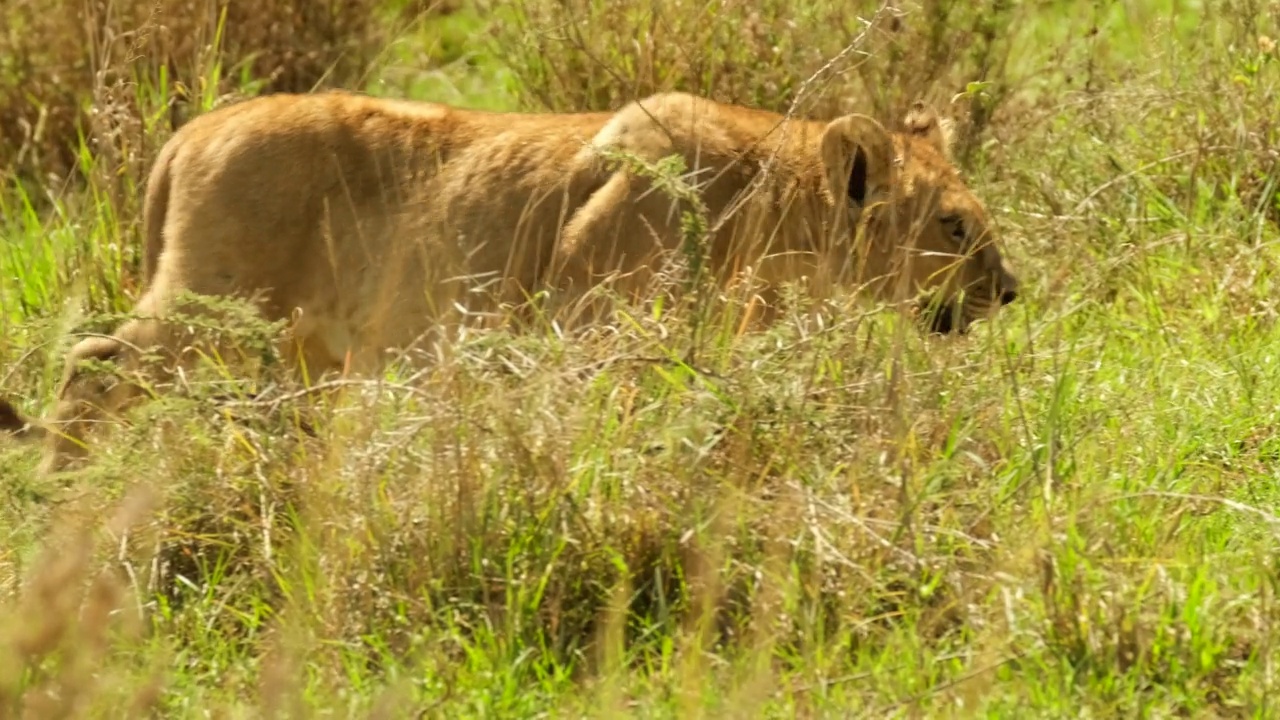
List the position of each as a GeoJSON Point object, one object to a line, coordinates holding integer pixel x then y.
{"type": "Point", "coordinates": [105, 375]}
{"type": "Point", "coordinates": [91, 391]}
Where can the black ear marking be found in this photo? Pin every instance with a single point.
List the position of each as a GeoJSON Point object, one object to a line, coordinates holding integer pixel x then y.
{"type": "Point", "coordinates": [10, 419]}
{"type": "Point", "coordinates": [858, 177]}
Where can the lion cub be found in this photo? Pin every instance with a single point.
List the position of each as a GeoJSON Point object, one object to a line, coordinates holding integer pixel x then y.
{"type": "Point", "coordinates": [371, 223]}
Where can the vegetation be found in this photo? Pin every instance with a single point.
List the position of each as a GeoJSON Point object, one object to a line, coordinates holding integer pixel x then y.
{"type": "Point", "coordinates": [1068, 513]}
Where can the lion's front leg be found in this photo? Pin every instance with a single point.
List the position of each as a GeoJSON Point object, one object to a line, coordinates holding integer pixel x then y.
{"type": "Point", "coordinates": [612, 245]}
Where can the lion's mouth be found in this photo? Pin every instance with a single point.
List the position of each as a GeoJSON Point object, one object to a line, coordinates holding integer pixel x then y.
{"type": "Point", "coordinates": [945, 319]}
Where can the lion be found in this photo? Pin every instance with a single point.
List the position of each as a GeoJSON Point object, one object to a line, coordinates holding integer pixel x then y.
{"type": "Point", "coordinates": [371, 224]}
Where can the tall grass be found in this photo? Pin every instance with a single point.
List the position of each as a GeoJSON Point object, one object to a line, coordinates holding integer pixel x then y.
{"type": "Point", "coordinates": [1070, 512]}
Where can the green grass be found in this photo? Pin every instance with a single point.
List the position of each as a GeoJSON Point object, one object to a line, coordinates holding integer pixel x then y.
{"type": "Point", "coordinates": [443, 59]}
{"type": "Point", "coordinates": [1070, 513]}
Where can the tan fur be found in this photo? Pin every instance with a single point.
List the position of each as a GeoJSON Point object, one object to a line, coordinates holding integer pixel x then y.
{"type": "Point", "coordinates": [369, 222]}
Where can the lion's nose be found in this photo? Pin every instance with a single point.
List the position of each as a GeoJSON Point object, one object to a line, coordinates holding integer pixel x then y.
{"type": "Point", "coordinates": [1008, 296]}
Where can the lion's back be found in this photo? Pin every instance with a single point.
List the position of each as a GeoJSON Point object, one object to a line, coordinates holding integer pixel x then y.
{"type": "Point", "coordinates": [276, 191]}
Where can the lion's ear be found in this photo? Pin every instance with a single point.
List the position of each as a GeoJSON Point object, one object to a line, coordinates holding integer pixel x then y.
{"type": "Point", "coordinates": [923, 121]}
{"type": "Point", "coordinates": [857, 155]}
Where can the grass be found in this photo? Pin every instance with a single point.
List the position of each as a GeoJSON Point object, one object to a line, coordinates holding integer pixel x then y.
{"type": "Point", "coordinates": [1069, 513]}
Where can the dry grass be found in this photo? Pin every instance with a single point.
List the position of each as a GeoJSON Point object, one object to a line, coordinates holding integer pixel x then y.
{"type": "Point", "coordinates": [78, 68]}
{"type": "Point", "coordinates": [1069, 512]}
{"type": "Point", "coordinates": [869, 57]}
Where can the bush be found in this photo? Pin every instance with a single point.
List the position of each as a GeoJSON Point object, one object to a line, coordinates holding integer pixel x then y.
{"type": "Point", "coordinates": [820, 58]}
{"type": "Point", "coordinates": [121, 73]}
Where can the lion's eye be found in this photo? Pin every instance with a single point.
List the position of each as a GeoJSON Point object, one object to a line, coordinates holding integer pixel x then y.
{"type": "Point", "coordinates": [956, 225]}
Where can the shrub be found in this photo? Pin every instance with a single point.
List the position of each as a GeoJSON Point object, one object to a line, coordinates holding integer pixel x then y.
{"type": "Point", "coordinates": [119, 73]}
{"type": "Point", "coordinates": [820, 58]}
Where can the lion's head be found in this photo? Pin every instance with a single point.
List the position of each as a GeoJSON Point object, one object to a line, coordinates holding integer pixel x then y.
{"type": "Point", "coordinates": [917, 214]}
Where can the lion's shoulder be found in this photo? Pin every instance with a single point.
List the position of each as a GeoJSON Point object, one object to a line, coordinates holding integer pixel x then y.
{"type": "Point", "coordinates": [677, 122]}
